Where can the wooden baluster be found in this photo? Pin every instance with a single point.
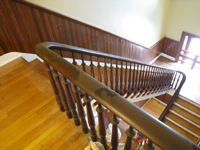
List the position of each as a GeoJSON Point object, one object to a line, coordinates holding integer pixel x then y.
{"type": "Point", "coordinates": [177, 81]}
{"type": "Point", "coordinates": [125, 79]}
{"type": "Point", "coordinates": [74, 61]}
{"type": "Point", "coordinates": [116, 78]}
{"type": "Point", "coordinates": [134, 81]}
{"type": "Point", "coordinates": [169, 78]}
{"type": "Point", "coordinates": [155, 75]}
{"type": "Point", "coordinates": [173, 82]}
{"type": "Point", "coordinates": [129, 83]}
{"type": "Point", "coordinates": [55, 88]}
{"type": "Point", "coordinates": [145, 82]}
{"type": "Point", "coordinates": [138, 76]}
{"type": "Point", "coordinates": [172, 79]}
{"type": "Point", "coordinates": [99, 71]}
{"type": "Point", "coordinates": [151, 83]}
{"type": "Point", "coordinates": [130, 134]}
{"type": "Point", "coordinates": [81, 111]}
{"type": "Point", "coordinates": [149, 77]}
{"type": "Point", "coordinates": [77, 98]}
{"type": "Point", "coordinates": [141, 89]}
{"type": "Point", "coordinates": [162, 86]}
{"type": "Point", "coordinates": [166, 83]}
{"type": "Point", "coordinates": [157, 80]}
{"type": "Point", "coordinates": [149, 146]}
{"type": "Point", "coordinates": [87, 99]}
{"type": "Point", "coordinates": [121, 79]}
{"type": "Point", "coordinates": [146, 77]}
{"type": "Point", "coordinates": [160, 81]}
{"type": "Point", "coordinates": [105, 73]}
{"type": "Point", "coordinates": [154, 79]}
{"type": "Point", "coordinates": [114, 140]}
{"type": "Point", "coordinates": [83, 63]}
{"type": "Point", "coordinates": [63, 95]}
{"type": "Point", "coordinates": [142, 76]}
{"type": "Point", "coordinates": [102, 128]}
{"type": "Point", "coordinates": [149, 80]}
{"type": "Point", "coordinates": [134, 76]}
{"type": "Point", "coordinates": [71, 101]}
{"type": "Point", "coordinates": [92, 67]}
{"type": "Point", "coordinates": [163, 79]}
{"type": "Point", "coordinates": [111, 75]}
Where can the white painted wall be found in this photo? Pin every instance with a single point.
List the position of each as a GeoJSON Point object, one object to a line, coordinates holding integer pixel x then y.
{"type": "Point", "coordinates": [140, 21]}
{"type": "Point", "coordinates": [183, 15]}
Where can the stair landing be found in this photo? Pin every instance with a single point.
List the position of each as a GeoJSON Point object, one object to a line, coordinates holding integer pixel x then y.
{"type": "Point", "coordinates": [29, 115]}
{"type": "Point", "coordinates": [191, 87]}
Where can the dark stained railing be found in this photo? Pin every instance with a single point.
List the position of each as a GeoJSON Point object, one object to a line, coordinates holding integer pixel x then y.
{"type": "Point", "coordinates": [137, 78]}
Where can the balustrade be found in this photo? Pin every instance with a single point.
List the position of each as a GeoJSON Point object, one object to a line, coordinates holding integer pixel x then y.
{"type": "Point", "coordinates": [121, 75]}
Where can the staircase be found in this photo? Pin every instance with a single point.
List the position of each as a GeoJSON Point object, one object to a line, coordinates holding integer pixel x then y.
{"type": "Point", "coordinates": [184, 117]}
{"type": "Point", "coordinates": [124, 76]}
{"type": "Point", "coordinates": [123, 87]}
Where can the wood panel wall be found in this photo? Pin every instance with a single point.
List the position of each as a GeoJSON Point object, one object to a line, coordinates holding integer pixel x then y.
{"type": "Point", "coordinates": [23, 25]}
{"type": "Point", "coordinates": [170, 47]}
{"type": "Point", "coordinates": [167, 46]}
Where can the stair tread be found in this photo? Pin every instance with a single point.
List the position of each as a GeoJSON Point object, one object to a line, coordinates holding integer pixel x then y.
{"type": "Point", "coordinates": [154, 108]}
{"type": "Point", "coordinates": [186, 114]}
{"type": "Point", "coordinates": [180, 130]}
{"type": "Point", "coordinates": [183, 123]}
{"type": "Point", "coordinates": [188, 105]}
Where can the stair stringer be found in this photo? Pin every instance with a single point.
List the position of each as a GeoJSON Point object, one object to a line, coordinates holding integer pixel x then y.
{"type": "Point", "coordinates": [141, 98]}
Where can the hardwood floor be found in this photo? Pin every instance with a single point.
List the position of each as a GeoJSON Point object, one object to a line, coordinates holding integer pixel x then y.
{"type": "Point", "coordinates": [29, 115]}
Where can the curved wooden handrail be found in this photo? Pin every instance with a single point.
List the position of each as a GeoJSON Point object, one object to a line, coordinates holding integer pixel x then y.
{"type": "Point", "coordinates": [152, 128]}
{"type": "Point", "coordinates": [69, 48]}
{"type": "Point", "coordinates": [174, 97]}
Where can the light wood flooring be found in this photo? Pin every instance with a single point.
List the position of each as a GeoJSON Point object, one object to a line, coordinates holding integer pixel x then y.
{"type": "Point", "coordinates": [29, 116]}
{"type": "Point", "coordinates": [154, 108]}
